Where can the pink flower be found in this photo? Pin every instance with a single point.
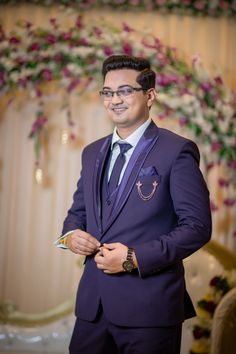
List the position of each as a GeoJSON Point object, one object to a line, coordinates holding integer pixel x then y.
{"type": "Point", "coordinates": [66, 72]}
{"type": "Point", "coordinates": [34, 47]}
{"type": "Point", "coordinates": [199, 5]}
{"type": "Point", "coordinates": [160, 2]}
{"type": "Point", "coordinates": [107, 50]}
{"type": "Point", "coordinates": [229, 202]}
{"type": "Point", "coordinates": [83, 41]}
{"type": "Point", "coordinates": [134, 2]}
{"type": "Point", "coordinates": [183, 121]}
{"type": "Point", "coordinates": [14, 40]}
{"type": "Point", "coordinates": [51, 39]}
{"type": "Point", "coordinates": [67, 36]}
{"type": "Point", "coordinates": [47, 74]}
{"type": "Point", "coordinates": [38, 125]}
{"type": "Point", "coordinates": [127, 48]}
{"type": "Point", "coordinates": [23, 82]}
{"type": "Point", "coordinates": [98, 32]}
{"type": "Point", "coordinates": [78, 22]}
{"type": "Point", "coordinates": [210, 165]}
{"type": "Point", "coordinates": [73, 85]}
{"type": "Point", "coordinates": [127, 28]}
{"type": "Point", "coordinates": [206, 86]}
{"type": "Point", "coordinates": [223, 182]}
{"type": "Point", "coordinates": [20, 60]}
{"type": "Point", "coordinates": [232, 164]}
{"type": "Point", "coordinates": [58, 57]}
{"type": "Point", "coordinates": [218, 80]}
{"type": "Point", "coordinates": [213, 206]}
{"type": "Point", "coordinates": [215, 146]}
{"type": "Point", "coordinates": [53, 22]}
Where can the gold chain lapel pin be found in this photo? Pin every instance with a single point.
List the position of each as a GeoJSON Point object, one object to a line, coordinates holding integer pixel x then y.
{"type": "Point", "coordinates": [146, 197]}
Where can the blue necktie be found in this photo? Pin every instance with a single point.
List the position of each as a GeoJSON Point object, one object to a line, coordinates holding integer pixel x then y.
{"type": "Point", "coordinates": [117, 168]}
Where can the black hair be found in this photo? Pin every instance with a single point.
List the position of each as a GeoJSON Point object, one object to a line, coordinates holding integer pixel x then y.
{"type": "Point", "coordinates": [146, 78]}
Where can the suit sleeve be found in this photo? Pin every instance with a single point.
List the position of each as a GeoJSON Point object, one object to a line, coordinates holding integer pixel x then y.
{"type": "Point", "coordinates": [190, 198]}
{"type": "Point", "coordinates": [76, 216]}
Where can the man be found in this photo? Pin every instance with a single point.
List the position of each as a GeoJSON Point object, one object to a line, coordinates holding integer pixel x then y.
{"type": "Point", "coordinates": [141, 206]}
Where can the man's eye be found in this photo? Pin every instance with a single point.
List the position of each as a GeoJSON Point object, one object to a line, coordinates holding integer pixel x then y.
{"type": "Point", "coordinates": [127, 91]}
{"type": "Point", "coordinates": [107, 93]}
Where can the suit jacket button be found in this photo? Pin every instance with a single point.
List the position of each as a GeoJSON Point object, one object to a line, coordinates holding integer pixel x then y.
{"type": "Point", "coordinates": [108, 202]}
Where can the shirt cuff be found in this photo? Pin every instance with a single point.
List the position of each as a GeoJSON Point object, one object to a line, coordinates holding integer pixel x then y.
{"type": "Point", "coordinates": [60, 242]}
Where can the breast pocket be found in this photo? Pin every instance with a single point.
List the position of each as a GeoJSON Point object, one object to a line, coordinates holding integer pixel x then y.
{"type": "Point", "coordinates": [147, 186]}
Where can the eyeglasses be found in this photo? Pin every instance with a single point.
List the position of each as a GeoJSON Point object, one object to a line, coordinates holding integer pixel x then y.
{"type": "Point", "coordinates": [126, 91]}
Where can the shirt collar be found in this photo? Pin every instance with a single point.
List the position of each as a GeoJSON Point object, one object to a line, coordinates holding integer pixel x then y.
{"type": "Point", "coordinates": [133, 138]}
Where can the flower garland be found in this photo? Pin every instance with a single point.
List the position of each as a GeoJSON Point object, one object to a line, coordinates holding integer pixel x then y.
{"type": "Point", "coordinates": [188, 7]}
{"type": "Point", "coordinates": [206, 307]}
{"type": "Point", "coordinates": [73, 57]}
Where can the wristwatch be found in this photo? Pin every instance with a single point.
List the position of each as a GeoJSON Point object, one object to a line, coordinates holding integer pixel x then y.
{"type": "Point", "coordinates": [128, 264]}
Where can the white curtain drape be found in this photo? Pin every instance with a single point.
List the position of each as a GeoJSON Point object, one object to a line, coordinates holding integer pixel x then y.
{"type": "Point", "coordinates": [33, 273]}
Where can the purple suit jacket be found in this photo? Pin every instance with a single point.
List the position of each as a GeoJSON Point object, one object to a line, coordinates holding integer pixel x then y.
{"type": "Point", "coordinates": [171, 225]}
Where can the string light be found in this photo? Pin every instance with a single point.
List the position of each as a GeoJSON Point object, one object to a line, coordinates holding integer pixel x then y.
{"type": "Point", "coordinates": [64, 137]}
{"type": "Point", "coordinates": [39, 175]}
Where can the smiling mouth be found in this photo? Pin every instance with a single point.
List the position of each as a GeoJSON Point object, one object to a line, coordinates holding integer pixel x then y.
{"type": "Point", "coordinates": [119, 110]}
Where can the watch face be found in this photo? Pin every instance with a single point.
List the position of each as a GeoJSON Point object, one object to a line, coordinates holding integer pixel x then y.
{"type": "Point", "coordinates": [128, 266]}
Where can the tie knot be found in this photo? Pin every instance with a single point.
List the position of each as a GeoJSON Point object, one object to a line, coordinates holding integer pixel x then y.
{"type": "Point", "coordinates": [124, 147]}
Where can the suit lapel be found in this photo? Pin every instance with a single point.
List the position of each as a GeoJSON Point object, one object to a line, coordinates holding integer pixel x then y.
{"type": "Point", "coordinates": [136, 162]}
{"type": "Point", "coordinates": [99, 166]}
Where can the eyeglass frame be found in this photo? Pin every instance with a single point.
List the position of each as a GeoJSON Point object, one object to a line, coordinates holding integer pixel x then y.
{"type": "Point", "coordinates": [117, 92]}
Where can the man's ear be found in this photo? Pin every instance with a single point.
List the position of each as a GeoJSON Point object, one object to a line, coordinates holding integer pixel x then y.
{"type": "Point", "coordinates": [151, 97]}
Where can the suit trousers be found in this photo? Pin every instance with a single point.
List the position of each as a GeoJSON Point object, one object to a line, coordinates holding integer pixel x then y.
{"type": "Point", "coordinates": [103, 337]}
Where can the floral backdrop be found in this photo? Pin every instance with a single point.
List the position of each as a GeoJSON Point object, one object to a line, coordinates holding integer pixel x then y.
{"type": "Point", "coordinates": [71, 59]}
{"type": "Point", "coordinates": [189, 7]}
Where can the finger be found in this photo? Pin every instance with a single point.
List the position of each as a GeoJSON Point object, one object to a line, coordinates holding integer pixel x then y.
{"type": "Point", "coordinates": [89, 238]}
{"type": "Point", "coordinates": [111, 246]}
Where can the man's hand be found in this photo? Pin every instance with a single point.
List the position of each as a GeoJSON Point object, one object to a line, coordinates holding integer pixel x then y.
{"type": "Point", "coordinates": [111, 257]}
{"type": "Point", "coordinates": [81, 242]}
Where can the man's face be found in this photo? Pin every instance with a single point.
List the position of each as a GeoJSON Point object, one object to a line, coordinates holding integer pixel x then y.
{"type": "Point", "coordinates": [127, 111]}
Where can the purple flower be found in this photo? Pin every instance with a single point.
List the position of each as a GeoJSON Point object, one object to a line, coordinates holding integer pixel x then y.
{"type": "Point", "coordinates": [20, 60]}
{"type": "Point", "coordinates": [206, 86]}
{"type": "Point", "coordinates": [67, 35]}
{"type": "Point", "coordinates": [14, 40]}
{"type": "Point", "coordinates": [38, 125]}
{"type": "Point", "coordinates": [232, 164]}
{"type": "Point", "coordinates": [134, 2]}
{"type": "Point", "coordinates": [199, 5]}
{"type": "Point", "coordinates": [51, 39]}
{"type": "Point", "coordinates": [210, 165]}
{"type": "Point", "coordinates": [160, 2]}
{"type": "Point", "coordinates": [83, 41]}
{"type": "Point", "coordinates": [23, 82]}
{"type": "Point", "coordinates": [213, 206]}
{"type": "Point", "coordinates": [34, 47]}
{"type": "Point", "coordinates": [58, 57]}
{"type": "Point", "coordinates": [127, 28]}
{"type": "Point", "coordinates": [223, 182]}
{"type": "Point", "coordinates": [66, 72]}
{"type": "Point", "coordinates": [215, 146]}
{"type": "Point", "coordinates": [78, 22]}
{"type": "Point", "coordinates": [229, 202]}
{"type": "Point", "coordinates": [47, 74]}
{"type": "Point", "coordinates": [107, 50]}
{"type": "Point", "coordinates": [127, 48]}
{"type": "Point", "coordinates": [183, 121]}
{"type": "Point", "coordinates": [53, 22]}
{"type": "Point", "coordinates": [218, 80]}
{"type": "Point", "coordinates": [73, 85]}
{"type": "Point", "coordinates": [98, 32]}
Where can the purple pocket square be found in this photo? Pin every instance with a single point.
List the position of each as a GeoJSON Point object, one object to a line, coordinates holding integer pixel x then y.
{"type": "Point", "coordinates": [148, 171]}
